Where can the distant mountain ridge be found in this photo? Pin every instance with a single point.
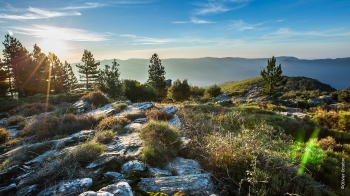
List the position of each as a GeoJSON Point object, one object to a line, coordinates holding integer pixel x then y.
{"type": "Point", "coordinates": [210, 70]}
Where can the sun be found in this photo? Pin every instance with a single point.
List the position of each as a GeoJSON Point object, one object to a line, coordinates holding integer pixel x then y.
{"type": "Point", "coordinates": [53, 45]}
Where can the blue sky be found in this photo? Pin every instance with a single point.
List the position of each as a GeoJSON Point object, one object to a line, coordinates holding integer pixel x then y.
{"type": "Point", "coordinates": [123, 29]}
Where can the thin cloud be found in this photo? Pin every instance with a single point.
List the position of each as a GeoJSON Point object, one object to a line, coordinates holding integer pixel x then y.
{"type": "Point", "coordinates": [220, 6]}
{"type": "Point", "coordinates": [332, 33]}
{"type": "Point", "coordinates": [36, 13]}
{"type": "Point", "coordinates": [85, 6]}
{"type": "Point", "coordinates": [199, 21]}
{"type": "Point", "coordinates": [68, 34]}
{"type": "Point", "coordinates": [180, 22]}
{"type": "Point", "coordinates": [242, 26]}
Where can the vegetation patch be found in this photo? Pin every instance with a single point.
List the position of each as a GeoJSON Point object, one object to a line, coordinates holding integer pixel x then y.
{"type": "Point", "coordinates": [113, 123]}
{"type": "Point", "coordinates": [96, 99]}
{"type": "Point", "coordinates": [162, 143]}
{"type": "Point", "coordinates": [104, 137]}
{"type": "Point", "coordinates": [14, 120]}
{"type": "Point", "coordinates": [156, 114]}
{"type": "Point", "coordinates": [4, 135]}
{"type": "Point", "coordinates": [339, 120]}
{"type": "Point", "coordinates": [48, 126]}
{"type": "Point", "coordinates": [30, 109]}
{"type": "Point", "coordinates": [119, 107]}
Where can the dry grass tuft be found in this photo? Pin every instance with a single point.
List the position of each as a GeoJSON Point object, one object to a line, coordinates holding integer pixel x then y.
{"type": "Point", "coordinates": [14, 120]}
{"type": "Point", "coordinates": [155, 114]}
{"type": "Point", "coordinates": [4, 135]}
{"type": "Point", "coordinates": [96, 98]}
{"type": "Point", "coordinates": [104, 137]}
{"type": "Point", "coordinates": [113, 122]}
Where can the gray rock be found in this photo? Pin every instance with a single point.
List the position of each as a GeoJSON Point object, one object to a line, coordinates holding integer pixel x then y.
{"type": "Point", "coordinates": [119, 189]}
{"type": "Point", "coordinates": [81, 106]}
{"type": "Point", "coordinates": [115, 175]}
{"type": "Point", "coordinates": [4, 190]}
{"type": "Point", "coordinates": [326, 98]}
{"type": "Point", "coordinates": [175, 122]}
{"type": "Point", "coordinates": [197, 184]}
{"type": "Point", "coordinates": [28, 191]}
{"type": "Point", "coordinates": [133, 165]}
{"type": "Point", "coordinates": [185, 142]}
{"type": "Point", "coordinates": [14, 130]}
{"type": "Point", "coordinates": [184, 167]}
{"type": "Point", "coordinates": [315, 102]}
{"type": "Point", "coordinates": [156, 172]}
{"type": "Point", "coordinates": [142, 106]}
{"type": "Point", "coordinates": [222, 97]}
{"type": "Point", "coordinates": [102, 111]}
{"type": "Point", "coordinates": [224, 102]}
{"type": "Point", "coordinates": [127, 147]}
{"type": "Point", "coordinates": [9, 170]}
{"type": "Point", "coordinates": [68, 187]}
{"type": "Point", "coordinates": [170, 109]}
{"type": "Point", "coordinates": [140, 120]}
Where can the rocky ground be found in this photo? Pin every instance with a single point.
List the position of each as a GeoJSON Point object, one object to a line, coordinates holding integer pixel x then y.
{"type": "Point", "coordinates": [180, 174]}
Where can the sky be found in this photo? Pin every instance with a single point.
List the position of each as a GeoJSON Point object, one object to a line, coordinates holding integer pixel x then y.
{"type": "Point", "coordinates": [124, 29]}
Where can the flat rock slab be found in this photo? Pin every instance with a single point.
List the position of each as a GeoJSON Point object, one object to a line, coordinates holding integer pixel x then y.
{"type": "Point", "coordinates": [198, 184]}
{"type": "Point", "coordinates": [68, 187]}
{"type": "Point", "coordinates": [184, 167]}
{"type": "Point", "coordinates": [170, 109]}
{"type": "Point", "coordinates": [105, 110]}
{"type": "Point", "coordinates": [119, 189]}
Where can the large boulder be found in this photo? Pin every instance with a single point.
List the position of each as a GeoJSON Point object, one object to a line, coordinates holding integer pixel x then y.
{"type": "Point", "coordinates": [170, 109]}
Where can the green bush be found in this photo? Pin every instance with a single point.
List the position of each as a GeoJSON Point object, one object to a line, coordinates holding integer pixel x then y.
{"type": "Point", "coordinates": [341, 96]}
{"type": "Point", "coordinates": [88, 151]}
{"type": "Point", "coordinates": [339, 120]}
{"type": "Point", "coordinates": [179, 91]}
{"type": "Point", "coordinates": [119, 107]}
{"type": "Point", "coordinates": [104, 137]}
{"type": "Point", "coordinates": [213, 91]}
{"type": "Point", "coordinates": [161, 140]}
{"type": "Point", "coordinates": [196, 91]}
{"type": "Point", "coordinates": [96, 98]}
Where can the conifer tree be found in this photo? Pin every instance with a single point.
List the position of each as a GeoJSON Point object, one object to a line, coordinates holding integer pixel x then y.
{"type": "Point", "coordinates": [88, 70]}
{"type": "Point", "coordinates": [38, 80]}
{"type": "Point", "coordinates": [271, 76]}
{"type": "Point", "coordinates": [16, 57]}
{"type": "Point", "coordinates": [109, 82]}
{"type": "Point", "coordinates": [71, 79]}
{"type": "Point", "coordinates": [4, 85]}
{"type": "Point", "coordinates": [156, 74]}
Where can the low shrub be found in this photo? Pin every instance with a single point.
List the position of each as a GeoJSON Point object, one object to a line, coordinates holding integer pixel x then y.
{"type": "Point", "coordinates": [162, 142]}
{"type": "Point", "coordinates": [179, 91]}
{"type": "Point", "coordinates": [30, 109]}
{"type": "Point", "coordinates": [155, 114]}
{"type": "Point", "coordinates": [88, 151]}
{"type": "Point", "coordinates": [96, 99]}
{"type": "Point", "coordinates": [119, 107]}
{"type": "Point", "coordinates": [339, 120]}
{"type": "Point", "coordinates": [213, 91]}
{"type": "Point", "coordinates": [4, 135]}
{"type": "Point", "coordinates": [14, 120]}
{"type": "Point", "coordinates": [113, 123]}
{"type": "Point", "coordinates": [48, 126]}
{"type": "Point", "coordinates": [327, 143]}
{"type": "Point", "coordinates": [104, 137]}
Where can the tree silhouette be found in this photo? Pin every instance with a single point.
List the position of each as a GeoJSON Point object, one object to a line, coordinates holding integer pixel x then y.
{"type": "Point", "coordinates": [88, 70]}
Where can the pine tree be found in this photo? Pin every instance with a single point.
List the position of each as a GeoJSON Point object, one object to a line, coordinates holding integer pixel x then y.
{"type": "Point", "coordinates": [71, 80]}
{"type": "Point", "coordinates": [88, 70]}
{"type": "Point", "coordinates": [16, 57]}
{"type": "Point", "coordinates": [4, 85]}
{"type": "Point", "coordinates": [108, 80]}
{"type": "Point", "coordinates": [272, 76]}
{"type": "Point", "coordinates": [156, 74]}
